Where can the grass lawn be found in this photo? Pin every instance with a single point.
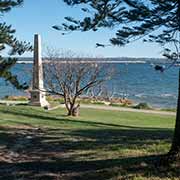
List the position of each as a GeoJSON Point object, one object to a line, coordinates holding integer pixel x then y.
{"type": "Point", "coordinates": [39, 144]}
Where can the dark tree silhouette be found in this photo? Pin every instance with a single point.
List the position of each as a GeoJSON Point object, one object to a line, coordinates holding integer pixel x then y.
{"type": "Point", "coordinates": [7, 40]}
{"type": "Point", "coordinates": [151, 20]}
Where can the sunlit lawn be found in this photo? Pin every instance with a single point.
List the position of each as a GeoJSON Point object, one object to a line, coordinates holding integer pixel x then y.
{"type": "Point", "coordinates": [39, 144]}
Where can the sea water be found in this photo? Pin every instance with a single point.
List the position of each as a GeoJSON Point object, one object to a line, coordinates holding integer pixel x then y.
{"type": "Point", "coordinates": [136, 81]}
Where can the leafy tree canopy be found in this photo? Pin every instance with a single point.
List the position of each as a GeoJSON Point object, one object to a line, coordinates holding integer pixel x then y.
{"type": "Point", "coordinates": [152, 20]}
{"type": "Point", "coordinates": [8, 40]}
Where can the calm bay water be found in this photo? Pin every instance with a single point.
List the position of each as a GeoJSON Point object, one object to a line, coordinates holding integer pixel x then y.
{"type": "Point", "coordinates": [139, 82]}
{"type": "Point", "coordinates": [143, 84]}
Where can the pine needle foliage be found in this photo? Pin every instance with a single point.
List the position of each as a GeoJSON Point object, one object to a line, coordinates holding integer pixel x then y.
{"type": "Point", "coordinates": [8, 40]}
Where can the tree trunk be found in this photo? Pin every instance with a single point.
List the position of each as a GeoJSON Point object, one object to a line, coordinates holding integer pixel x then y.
{"type": "Point", "coordinates": [74, 111]}
{"type": "Point", "coordinates": [70, 112]}
{"type": "Point", "coordinates": [175, 148]}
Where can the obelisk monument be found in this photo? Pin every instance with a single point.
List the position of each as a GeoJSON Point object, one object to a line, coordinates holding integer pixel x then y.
{"type": "Point", "coordinates": [38, 97]}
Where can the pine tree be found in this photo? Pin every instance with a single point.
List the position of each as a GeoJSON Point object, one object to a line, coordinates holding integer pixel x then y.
{"type": "Point", "coordinates": [7, 39]}
{"type": "Point", "coordinates": [155, 21]}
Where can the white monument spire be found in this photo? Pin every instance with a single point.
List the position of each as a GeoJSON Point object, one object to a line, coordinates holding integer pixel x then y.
{"type": "Point", "coordinates": [38, 97]}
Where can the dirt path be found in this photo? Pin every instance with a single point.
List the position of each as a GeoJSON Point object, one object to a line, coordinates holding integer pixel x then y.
{"type": "Point", "coordinates": [102, 107]}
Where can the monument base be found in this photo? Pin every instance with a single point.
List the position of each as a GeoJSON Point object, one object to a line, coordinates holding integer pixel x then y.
{"type": "Point", "coordinates": [38, 98]}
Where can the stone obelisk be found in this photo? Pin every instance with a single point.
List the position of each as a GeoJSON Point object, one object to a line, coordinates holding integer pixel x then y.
{"type": "Point", "coordinates": [38, 97]}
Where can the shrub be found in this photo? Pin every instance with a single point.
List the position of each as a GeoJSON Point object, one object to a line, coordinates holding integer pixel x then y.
{"type": "Point", "coordinates": [142, 105]}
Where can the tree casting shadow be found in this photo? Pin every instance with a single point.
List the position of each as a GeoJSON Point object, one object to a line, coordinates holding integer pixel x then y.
{"type": "Point", "coordinates": [47, 154]}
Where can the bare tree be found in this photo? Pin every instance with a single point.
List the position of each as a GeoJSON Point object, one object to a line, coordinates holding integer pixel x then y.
{"type": "Point", "coordinates": [103, 92]}
{"type": "Point", "coordinates": [70, 77]}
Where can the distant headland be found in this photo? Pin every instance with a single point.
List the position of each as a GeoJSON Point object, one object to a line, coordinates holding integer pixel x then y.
{"type": "Point", "coordinates": [29, 60]}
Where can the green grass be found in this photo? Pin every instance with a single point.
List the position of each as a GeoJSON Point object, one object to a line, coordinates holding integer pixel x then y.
{"type": "Point", "coordinates": [97, 145]}
{"type": "Point", "coordinates": [169, 109]}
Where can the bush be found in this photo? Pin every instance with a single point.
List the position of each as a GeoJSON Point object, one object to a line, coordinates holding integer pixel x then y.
{"type": "Point", "coordinates": [16, 98]}
{"type": "Point", "coordinates": [55, 99]}
{"type": "Point", "coordinates": [142, 105]}
{"type": "Point", "coordinates": [98, 103]}
{"type": "Point", "coordinates": [119, 105]}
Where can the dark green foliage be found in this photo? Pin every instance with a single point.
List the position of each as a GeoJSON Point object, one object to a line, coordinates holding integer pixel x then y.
{"type": "Point", "coordinates": [7, 5]}
{"type": "Point", "coordinates": [5, 65]}
{"type": "Point", "coordinates": [142, 105]}
{"type": "Point", "coordinates": [152, 20]}
{"type": "Point", "coordinates": [7, 39]}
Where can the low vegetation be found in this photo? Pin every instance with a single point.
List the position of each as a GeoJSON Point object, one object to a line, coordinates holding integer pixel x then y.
{"type": "Point", "coordinates": [143, 105]}
{"type": "Point", "coordinates": [114, 102]}
{"type": "Point", "coordinates": [39, 144]}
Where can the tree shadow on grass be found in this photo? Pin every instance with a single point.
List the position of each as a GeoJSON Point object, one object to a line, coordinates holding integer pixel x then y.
{"type": "Point", "coordinates": [126, 168]}
{"type": "Point", "coordinates": [48, 154]}
{"type": "Point", "coordinates": [48, 117]}
{"type": "Point", "coordinates": [57, 153]}
{"type": "Point", "coordinates": [68, 166]}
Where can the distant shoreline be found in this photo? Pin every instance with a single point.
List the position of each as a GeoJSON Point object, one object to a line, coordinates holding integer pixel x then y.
{"type": "Point", "coordinates": [121, 60]}
{"type": "Point", "coordinates": [118, 62]}
{"type": "Point", "coordinates": [134, 80]}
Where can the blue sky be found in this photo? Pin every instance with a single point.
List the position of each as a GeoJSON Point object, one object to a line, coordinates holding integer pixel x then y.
{"type": "Point", "coordinates": [39, 17]}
